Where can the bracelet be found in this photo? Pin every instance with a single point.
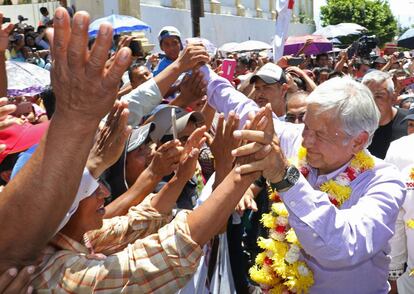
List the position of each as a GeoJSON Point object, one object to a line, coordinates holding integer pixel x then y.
{"type": "Point", "coordinates": [393, 275]}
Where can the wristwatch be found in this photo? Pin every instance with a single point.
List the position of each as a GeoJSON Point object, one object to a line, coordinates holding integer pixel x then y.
{"type": "Point", "coordinates": [291, 177]}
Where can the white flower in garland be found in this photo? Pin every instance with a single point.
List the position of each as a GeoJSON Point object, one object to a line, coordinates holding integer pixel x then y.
{"type": "Point", "coordinates": [293, 254]}
{"type": "Point", "coordinates": [303, 270]}
{"type": "Point", "coordinates": [276, 235]}
{"type": "Point", "coordinates": [342, 179]}
{"type": "Point", "coordinates": [282, 221]}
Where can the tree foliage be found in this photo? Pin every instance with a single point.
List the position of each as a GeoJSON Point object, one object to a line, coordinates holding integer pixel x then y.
{"type": "Point", "coordinates": [375, 15]}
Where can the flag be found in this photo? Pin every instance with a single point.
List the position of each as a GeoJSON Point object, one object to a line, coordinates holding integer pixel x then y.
{"type": "Point", "coordinates": [284, 12]}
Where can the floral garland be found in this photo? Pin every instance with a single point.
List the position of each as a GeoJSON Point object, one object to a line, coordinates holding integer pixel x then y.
{"type": "Point", "coordinates": [278, 269]}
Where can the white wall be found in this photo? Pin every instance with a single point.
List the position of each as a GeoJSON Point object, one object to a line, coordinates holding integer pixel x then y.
{"type": "Point", "coordinates": [219, 29]}
{"type": "Point", "coordinates": [30, 11]}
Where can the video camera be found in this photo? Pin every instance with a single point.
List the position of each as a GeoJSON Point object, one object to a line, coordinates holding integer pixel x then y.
{"type": "Point", "coordinates": [363, 46]}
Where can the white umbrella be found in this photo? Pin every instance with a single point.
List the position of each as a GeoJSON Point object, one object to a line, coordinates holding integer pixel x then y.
{"type": "Point", "coordinates": [228, 47]}
{"type": "Point", "coordinates": [252, 45]}
{"type": "Point", "coordinates": [26, 79]}
{"type": "Point", "coordinates": [120, 24]}
{"type": "Point", "coordinates": [339, 30]}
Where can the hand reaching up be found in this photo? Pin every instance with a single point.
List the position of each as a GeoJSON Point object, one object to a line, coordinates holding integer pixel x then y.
{"type": "Point", "coordinates": [84, 89]}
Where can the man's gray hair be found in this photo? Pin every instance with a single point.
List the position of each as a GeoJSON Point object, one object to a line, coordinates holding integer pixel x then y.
{"type": "Point", "coordinates": [351, 102]}
{"type": "Point", "coordinates": [379, 77]}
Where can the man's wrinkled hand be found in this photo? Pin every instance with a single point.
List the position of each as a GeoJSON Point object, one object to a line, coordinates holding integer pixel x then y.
{"type": "Point", "coordinates": [223, 142]}
{"type": "Point", "coordinates": [15, 281]}
{"type": "Point", "coordinates": [191, 152]}
{"type": "Point", "coordinates": [4, 34]}
{"type": "Point", "coordinates": [110, 141]}
{"type": "Point", "coordinates": [192, 88]}
{"type": "Point", "coordinates": [262, 152]}
{"type": "Point", "coordinates": [6, 120]}
{"type": "Point", "coordinates": [166, 159]}
{"type": "Point", "coordinates": [192, 56]}
{"type": "Point", "coordinates": [85, 90]}
{"type": "Point", "coordinates": [247, 202]}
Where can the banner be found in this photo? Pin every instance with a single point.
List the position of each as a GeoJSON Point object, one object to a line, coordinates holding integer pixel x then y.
{"type": "Point", "coordinates": [284, 12]}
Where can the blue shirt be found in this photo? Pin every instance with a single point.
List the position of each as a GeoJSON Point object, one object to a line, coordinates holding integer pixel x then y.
{"type": "Point", "coordinates": [164, 62]}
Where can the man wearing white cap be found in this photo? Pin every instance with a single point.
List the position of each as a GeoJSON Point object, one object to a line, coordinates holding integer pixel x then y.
{"type": "Point", "coordinates": [169, 39]}
{"type": "Point", "coordinates": [270, 86]}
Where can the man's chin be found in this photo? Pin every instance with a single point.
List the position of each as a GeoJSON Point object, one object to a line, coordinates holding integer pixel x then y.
{"type": "Point", "coordinates": [262, 103]}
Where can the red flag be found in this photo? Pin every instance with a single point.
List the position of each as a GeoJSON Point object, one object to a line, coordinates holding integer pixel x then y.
{"type": "Point", "coordinates": [291, 4]}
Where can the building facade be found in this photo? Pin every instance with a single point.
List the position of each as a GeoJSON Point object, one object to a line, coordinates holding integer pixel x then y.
{"type": "Point", "coordinates": [224, 20]}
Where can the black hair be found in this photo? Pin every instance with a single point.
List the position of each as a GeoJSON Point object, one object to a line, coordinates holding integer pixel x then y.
{"type": "Point", "coordinates": [7, 164]}
{"type": "Point", "coordinates": [243, 60]}
{"type": "Point", "coordinates": [334, 74]}
{"type": "Point", "coordinates": [43, 10]}
{"type": "Point", "coordinates": [299, 82]}
{"type": "Point", "coordinates": [49, 101]}
{"type": "Point", "coordinates": [134, 66]}
{"type": "Point", "coordinates": [320, 55]}
{"type": "Point", "coordinates": [41, 28]}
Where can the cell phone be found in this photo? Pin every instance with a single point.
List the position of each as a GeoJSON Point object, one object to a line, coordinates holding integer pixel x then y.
{"type": "Point", "coordinates": [23, 108]}
{"type": "Point", "coordinates": [136, 48]}
{"type": "Point", "coordinates": [295, 61]}
{"type": "Point", "coordinates": [6, 19]}
{"type": "Point", "coordinates": [174, 124]}
{"type": "Point", "coordinates": [229, 68]}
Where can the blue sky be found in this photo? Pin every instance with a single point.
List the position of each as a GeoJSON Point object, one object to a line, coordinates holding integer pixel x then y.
{"type": "Point", "coordinates": [402, 9]}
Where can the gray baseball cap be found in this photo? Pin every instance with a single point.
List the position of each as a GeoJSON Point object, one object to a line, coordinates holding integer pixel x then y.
{"type": "Point", "coordinates": [270, 73]}
{"type": "Point", "coordinates": [162, 120]}
{"type": "Point", "coordinates": [139, 136]}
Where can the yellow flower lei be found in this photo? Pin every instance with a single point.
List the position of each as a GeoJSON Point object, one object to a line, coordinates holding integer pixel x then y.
{"type": "Point", "coordinates": [278, 269]}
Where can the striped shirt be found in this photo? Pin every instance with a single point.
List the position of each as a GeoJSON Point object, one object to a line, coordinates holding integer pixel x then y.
{"type": "Point", "coordinates": [143, 255]}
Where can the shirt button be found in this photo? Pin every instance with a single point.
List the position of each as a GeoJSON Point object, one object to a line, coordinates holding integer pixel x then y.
{"type": "Point", "coordinates": [292, 203]}
{"type": "Point", "coordinates": [315, 235]}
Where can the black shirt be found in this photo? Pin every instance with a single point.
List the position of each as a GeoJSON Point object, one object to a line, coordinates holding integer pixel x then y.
{"type": "Point", "coordinates": [385, 134]}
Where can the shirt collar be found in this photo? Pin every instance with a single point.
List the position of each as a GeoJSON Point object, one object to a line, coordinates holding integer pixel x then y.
{"type": "Point", "coordinates": [63, 242]}
{"type": "Point", "coordinates": [317, 181]}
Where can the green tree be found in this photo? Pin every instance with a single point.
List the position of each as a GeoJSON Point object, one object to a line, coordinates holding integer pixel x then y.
{"type": "Point", "coordinates": [375, 15]}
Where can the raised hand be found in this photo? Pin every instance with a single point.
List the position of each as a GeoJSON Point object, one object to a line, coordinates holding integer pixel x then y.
{"type": "Point", "coordinates": [263, 153]}
{"type": "Point", "coordinates": [5, 110]}
{"type": "Point", "coordinates": [84, 89]}
{"type": "Point", "coordinates": [166, 159]}
{"type": "Point", "coordinates": [223, 142]}
{"type": "Point", "coordinates": [110, 141]}
{"type": "Point", "coordinates": [189, 159]}
{"type": "Point", "coordinates": [14, 281]}
{"type": "Point", "coordinates": [4, 34]}
{"type": "Point", "coordinates": [193, 55]}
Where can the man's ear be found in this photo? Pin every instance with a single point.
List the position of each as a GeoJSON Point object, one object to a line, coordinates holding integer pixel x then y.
{"type": "Point", "coordinates": [5, 175]}
{"type": "Point", "coordinates": [359, 142]}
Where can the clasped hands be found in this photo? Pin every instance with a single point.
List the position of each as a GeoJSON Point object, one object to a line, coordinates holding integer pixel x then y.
{"type": "Point", "coordinates": [260, 154]}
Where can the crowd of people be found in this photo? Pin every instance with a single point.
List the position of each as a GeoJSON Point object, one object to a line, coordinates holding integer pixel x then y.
{"type": "Point", "coordinates": [165, 174]}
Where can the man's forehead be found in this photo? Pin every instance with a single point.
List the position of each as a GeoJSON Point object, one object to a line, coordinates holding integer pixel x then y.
{"type": "Point", "coordinates": [320, 120]}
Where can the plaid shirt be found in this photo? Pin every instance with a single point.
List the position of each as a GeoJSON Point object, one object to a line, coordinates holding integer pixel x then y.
{"type": "Point", "coordinates": [162, 262]}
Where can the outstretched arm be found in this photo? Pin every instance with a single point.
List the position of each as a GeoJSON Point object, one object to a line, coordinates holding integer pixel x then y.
{"type": "Point", "coordinates": [45, 188]}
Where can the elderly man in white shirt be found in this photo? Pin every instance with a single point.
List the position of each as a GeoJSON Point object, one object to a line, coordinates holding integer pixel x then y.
{"type": "Point", "coordinates": [402, 243]}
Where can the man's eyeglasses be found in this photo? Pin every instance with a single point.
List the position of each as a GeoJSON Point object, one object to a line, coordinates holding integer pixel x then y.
{"type": "Point", "coordinates": [295, 118]}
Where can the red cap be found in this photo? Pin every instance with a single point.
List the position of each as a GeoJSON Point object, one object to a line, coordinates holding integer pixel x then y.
{"type": "Point", "coordinates": [18, 138]}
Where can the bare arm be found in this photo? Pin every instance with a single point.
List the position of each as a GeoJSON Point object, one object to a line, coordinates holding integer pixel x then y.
{"type": "Point", "coordinates": [207, 220]}
{"type": "Point", "coordinates": [61, 156]}
{"type": "Point", "coordinates": [193, 55]}
{"type": "Point", "coordinates": [340, 64]}
{"type": "Point", "coordinates": [4, 42]}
